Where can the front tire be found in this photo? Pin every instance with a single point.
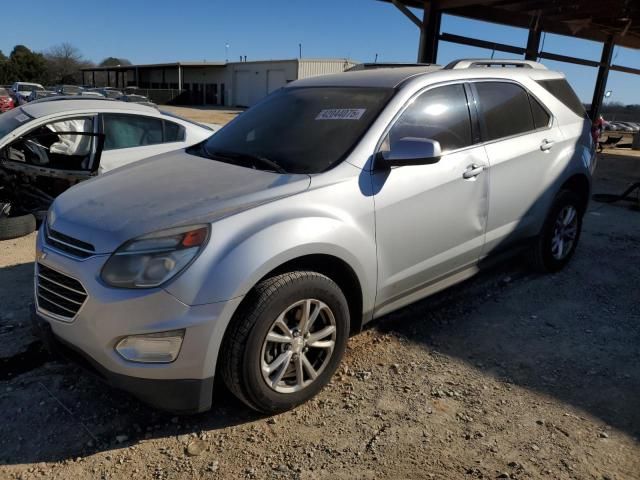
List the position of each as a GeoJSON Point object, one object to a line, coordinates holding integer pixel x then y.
{"type": "Point", "coordinates": [559, 237]}
{"type": "Point", "coordinates": [286, 341]}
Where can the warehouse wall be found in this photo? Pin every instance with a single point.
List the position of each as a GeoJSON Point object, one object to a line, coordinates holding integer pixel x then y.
{"type": "Point", "coordinates": [250, 82]}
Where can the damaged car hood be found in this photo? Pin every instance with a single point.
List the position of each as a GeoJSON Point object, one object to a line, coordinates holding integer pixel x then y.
{"type": "Point", "coordinates": [168, 190]}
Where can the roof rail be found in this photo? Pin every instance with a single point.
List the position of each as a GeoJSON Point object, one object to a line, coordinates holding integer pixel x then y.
{"type": "Point", "coordinates": [469, 63]}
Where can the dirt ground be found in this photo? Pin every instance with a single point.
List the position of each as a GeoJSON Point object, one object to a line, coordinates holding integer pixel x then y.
{"type": "Point", "coordinates": [509, 375]}
{"type": "Point", "coordinates": [215, 115]}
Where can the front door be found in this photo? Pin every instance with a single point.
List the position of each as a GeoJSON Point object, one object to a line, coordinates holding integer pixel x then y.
{"type": "Point", "coordinates": [430, 219]}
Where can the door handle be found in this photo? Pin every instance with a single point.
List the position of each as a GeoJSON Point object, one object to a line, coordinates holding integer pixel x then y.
{"type": "Point", "coordinates": [472, 171]}
{"type": "Point", "coordinates": [546, 145]}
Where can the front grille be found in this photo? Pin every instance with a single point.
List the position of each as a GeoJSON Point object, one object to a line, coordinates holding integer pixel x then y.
{"type": "Point", "coordinates": [68, 244]}
{"type": "Point", "coordinates": [58, 293]}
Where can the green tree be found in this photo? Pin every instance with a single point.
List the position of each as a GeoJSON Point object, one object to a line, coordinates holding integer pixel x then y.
{"type": "Point", "coordinates": [114, 62]}
{"type": "Point", "coordinates": [5, 71]}
{"type": "Point", "coordinates": [27, 66]}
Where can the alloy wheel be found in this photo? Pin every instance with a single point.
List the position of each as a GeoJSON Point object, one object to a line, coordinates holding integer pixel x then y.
{"type": "Point", "coordinates": [298, 346]}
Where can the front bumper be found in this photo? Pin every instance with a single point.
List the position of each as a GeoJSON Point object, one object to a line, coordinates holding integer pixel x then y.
{"type": "Point", "coordinates": [108, 314]}
{"type": "Point", "coordinates": [180, 395]}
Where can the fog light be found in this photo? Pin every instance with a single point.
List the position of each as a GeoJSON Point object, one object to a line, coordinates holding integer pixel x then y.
{"type": "Point", "coordinates": [162, 347]}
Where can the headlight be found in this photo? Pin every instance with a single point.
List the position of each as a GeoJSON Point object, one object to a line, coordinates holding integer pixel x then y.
{"type": "Point", "coordinates": [150, 261]}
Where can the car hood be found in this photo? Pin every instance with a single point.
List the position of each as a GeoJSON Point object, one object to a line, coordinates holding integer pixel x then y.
{"type": "Point", "coordinates": [160, 192]}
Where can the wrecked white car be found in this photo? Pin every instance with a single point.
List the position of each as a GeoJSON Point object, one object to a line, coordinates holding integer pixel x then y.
{"type": "Point", "coordinates": [50, 145]}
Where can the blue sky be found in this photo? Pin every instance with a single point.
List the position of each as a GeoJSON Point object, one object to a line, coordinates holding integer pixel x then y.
{"type": "Point", "coordinates": [162, 30]}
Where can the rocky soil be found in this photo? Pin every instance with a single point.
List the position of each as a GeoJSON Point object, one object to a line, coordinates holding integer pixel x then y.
{"type": "Point", "coordinates": [510, 375]}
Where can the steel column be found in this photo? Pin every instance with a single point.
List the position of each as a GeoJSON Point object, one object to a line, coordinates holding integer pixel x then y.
{"type": "Point", "coordinates": [533, 44]}
{"type": "Point", "coordinates": [429, 33]}
{"type": "Point", "coordinates": [601, 80]}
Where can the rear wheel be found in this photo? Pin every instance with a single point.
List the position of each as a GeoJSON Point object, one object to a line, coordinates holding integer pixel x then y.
{"type": "Point", "coordinates": [559, 237]}
{"type": "Point", "coordinates": [286, 341]}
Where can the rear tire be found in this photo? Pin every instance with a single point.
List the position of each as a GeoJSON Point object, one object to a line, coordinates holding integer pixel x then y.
{"type": "Point", "coordinates": [14, 227]}
{"type": "Point", "coordinates": [559, 237]}
{"type": "Point", "coordinates": [274, 360]}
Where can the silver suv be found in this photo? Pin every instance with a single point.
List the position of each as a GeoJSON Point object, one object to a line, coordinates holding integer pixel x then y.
{"type": "Point", "coordinates": [336, 200]}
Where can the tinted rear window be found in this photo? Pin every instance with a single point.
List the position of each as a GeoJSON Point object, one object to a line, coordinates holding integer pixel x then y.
{"type": "Point", "coordinates": [561, 89]}
{"type": "Point", "coordinates": [504, 108]}
{"type": "Point", "coordinates": [540, 116]}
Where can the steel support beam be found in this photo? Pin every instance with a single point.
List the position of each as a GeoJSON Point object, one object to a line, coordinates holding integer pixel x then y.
{"type": "Point", "coordinates": [533, 44]}
{"type": "Point", "coordinates": [93, 77]}
{"type": "Point", "coordinates": [601, 80]}
{"type": "Point", "coordinates": [429, 34]}
{"type": "Point", "coordinates": [474, 42]}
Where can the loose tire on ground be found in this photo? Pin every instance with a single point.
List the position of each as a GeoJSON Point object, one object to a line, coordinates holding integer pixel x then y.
{"type": "Point", "coordinates": [541, 255]}
{"type": "Point", "coordinates": [243, 349]}
{"type": "Point", "coordinates": [14, 227]}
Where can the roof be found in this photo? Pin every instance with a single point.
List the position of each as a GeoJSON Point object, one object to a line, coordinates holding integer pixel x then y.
{"type": "Point", "coordinates": [458, 70]}
{"type": "Point", "coordinates": [211, 64]}
{"type": "Point", "coordinates": [155, 65]}
{"type": "Point", "coordinates": [589, 19]}
{"type": "Point", "coordinates": [379, 77]}
{"type": "Point", "coordinates": [51, 105]}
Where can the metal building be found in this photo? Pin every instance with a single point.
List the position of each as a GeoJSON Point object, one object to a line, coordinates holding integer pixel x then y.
{"type": "Point", "coordinates": [239, 84]}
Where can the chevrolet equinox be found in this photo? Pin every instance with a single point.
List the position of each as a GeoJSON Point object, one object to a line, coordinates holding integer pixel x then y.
{"type": "Point", "coordinates": [336, 200]}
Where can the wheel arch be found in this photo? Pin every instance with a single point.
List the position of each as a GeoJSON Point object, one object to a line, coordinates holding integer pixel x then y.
{"type": "Point", "coordinates": [579, 183]}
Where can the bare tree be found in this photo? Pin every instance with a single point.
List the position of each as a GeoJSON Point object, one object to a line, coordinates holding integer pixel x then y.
{"type": "Point", "coordinates": [64, 63]}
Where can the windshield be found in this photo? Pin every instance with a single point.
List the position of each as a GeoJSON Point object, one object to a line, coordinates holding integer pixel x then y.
{"type": "Point", "coordinates": [301, 130]}
{"type": "Point", "coordinates": [11, 120]}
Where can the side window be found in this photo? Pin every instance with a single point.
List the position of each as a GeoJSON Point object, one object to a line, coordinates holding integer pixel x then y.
{"type": "Point", "coordinates": [61, 144]}
{"type": "Point", "coordinates": [561, 89]}
{"type": "Point", "coordinates": [440, 114]}
{"type": "Point", "coordinates": [504, 108]}
{"type": "Point", "coordinates": [126, 131]}
{"type": "Point", "coordinates": [173, 132]}
{"type": "Point", "coordinates": [540, 116]}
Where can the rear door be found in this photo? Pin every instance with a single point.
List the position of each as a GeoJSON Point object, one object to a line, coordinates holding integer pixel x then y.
{"type": "Point", "coordinates": [522, 142]}
{"type": "Point", "coordinates": [129, 138]}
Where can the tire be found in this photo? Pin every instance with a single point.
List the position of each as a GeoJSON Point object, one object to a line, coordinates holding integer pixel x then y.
{"type": "Point", "coordinates": [544, 256]}
{"type": "Point", "coordinates": [14, 227]}
{"type": "Point", "coordinates": [246, 348]}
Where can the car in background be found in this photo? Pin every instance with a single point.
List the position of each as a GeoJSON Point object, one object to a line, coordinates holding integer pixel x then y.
{"type": "Point", "coordinates": [133, 98]}
{"type": "Point", "coordinates": [108, 92]}
{"type": "Point", "coordinates": [22, 90]}
{"type": "Point", "coordinates": [87, 93]}
{"type": "Point", "coordinates": [40, 94]}
{"type": "Point", "coordinates": [49, 145]}
{"type": "Point", "coordinates": [622, 127]}
{"type": "Point", "coordinates": [6, 100]}
{"type": "Point", "coordinates": [68, 89]}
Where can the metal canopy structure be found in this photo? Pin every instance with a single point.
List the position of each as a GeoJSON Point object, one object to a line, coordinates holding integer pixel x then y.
{"type": "Point", "coordinates": [611, 22]}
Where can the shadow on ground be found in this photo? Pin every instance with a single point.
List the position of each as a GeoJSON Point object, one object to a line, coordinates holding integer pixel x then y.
{"type": "Point", "coordinates": [572, 336]}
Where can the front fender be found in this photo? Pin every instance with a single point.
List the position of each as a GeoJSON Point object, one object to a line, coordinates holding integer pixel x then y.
{"type": "Point", "coordinates": [232, 264]}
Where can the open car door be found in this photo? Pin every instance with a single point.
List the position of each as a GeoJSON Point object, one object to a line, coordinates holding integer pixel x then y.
{"type": "Point", "coordinates": [42, 163]}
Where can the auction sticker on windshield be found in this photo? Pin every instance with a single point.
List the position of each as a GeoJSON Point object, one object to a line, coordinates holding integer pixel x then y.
{"type": "Point", "coordinates": [341, 114]}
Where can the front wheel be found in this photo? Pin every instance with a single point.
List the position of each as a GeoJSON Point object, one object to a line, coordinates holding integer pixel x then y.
{"type": "Point", "coordinates": [286, 341]}
{"type": "Point", "coordinates": [558, 240]}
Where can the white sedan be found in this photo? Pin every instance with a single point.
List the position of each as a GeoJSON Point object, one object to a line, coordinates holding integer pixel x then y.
{"type": "Point", "coordinates": [49, 145]}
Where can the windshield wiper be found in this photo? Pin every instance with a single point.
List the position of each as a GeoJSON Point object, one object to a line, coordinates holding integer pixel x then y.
{"type": "Point", "coordinates": [246, 156]}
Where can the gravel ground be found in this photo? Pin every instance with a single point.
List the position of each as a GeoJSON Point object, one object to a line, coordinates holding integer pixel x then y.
{"type": "Point", "coordinates": [217, 115]}
{"type": "Point", "coordinates": [509, 375]}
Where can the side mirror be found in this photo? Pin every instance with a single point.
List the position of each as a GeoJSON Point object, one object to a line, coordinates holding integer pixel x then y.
{"type": "Point", "coordinates": [410, 151]}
